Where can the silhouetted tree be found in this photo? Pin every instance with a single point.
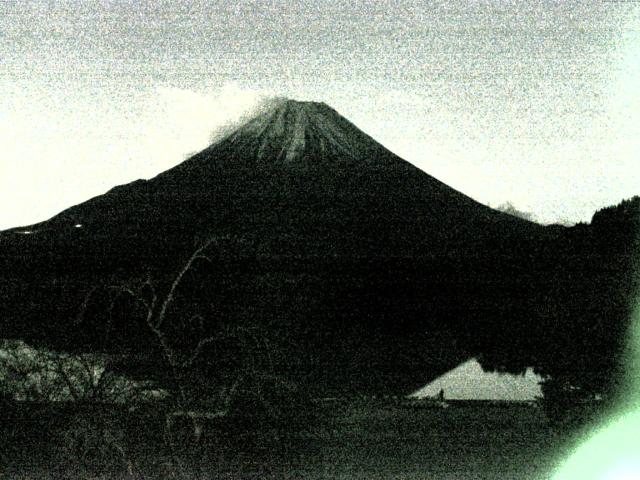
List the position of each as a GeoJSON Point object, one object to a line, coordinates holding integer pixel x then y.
{"type": "Point", "coordinates": [588, 317]}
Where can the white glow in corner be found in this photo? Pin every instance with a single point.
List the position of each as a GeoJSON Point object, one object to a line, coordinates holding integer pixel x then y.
{"type": "Point", "coordinates": [613, 452]}
{"type": "Point", "coordinates": [625, 471]}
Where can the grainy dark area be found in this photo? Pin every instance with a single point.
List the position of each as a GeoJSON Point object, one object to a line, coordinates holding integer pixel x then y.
{"type": "Point", "coordinates": [356, 439]}
{"type": "Point", "coordinates": [293, 260]}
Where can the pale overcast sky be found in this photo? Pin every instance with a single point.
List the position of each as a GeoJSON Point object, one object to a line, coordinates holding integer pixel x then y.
{"type": "Point", "coordinates": [537, 103]}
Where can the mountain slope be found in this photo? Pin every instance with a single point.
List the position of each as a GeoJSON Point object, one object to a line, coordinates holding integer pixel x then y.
{"type": "Point", "coordinates": [358, 269]}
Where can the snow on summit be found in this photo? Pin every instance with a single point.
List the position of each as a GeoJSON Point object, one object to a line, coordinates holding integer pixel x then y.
{"type": "Point", "coordinates": [289, 129]}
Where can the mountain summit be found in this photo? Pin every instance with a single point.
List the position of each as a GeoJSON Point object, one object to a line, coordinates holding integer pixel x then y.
{"type": "Point", "coordinates": [287, 131]}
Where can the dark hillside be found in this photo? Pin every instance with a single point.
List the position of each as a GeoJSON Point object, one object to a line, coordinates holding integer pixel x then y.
{"type": "Point", "coordinates": [358, 270]}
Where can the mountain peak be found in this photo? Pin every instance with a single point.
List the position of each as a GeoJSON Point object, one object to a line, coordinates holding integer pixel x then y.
{"type": "Point", "coordinates": [290, 103]}
{"type": "Point", "coordinates": [287, 131]}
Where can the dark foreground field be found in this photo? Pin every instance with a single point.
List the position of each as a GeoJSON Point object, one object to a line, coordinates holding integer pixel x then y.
{"type": "Point", "coordinates": [348, 440]}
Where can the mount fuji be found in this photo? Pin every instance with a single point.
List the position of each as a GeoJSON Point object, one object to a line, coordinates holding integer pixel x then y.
{"type": "Point", "coordinates": [357, 270]}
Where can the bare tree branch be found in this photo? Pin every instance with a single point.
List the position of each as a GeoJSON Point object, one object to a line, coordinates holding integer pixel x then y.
{"type": "Point", "coordinates": [67, 379]}
{"type": "Point", "coordinates": [201, 344]}
{"type": "Point", "coordinates": [85, 304]}
{"type": "Point", "coordinates": [120, 289]}
{"type": "Point", "coordinates": [178, 279]}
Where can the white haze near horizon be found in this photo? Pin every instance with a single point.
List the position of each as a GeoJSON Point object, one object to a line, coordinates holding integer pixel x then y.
{"type": "Point", "coordinates": [537, 105]}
